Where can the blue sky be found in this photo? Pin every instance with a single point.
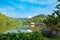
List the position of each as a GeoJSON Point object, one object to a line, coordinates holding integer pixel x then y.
{"type": "Point", "coordinates": [26, 8]}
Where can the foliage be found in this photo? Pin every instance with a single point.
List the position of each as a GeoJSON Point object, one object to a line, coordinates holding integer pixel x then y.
{"type": "Point", "coordinates": [38, 18]}
{"type": "Point", "coordinates": [24, 36]}
{"type": "Point", "coordinates": [58, 0]}
{"type": "Point", "coordinates": [54, 19]}
{"type": "Point", "coordinates": [8, 23]}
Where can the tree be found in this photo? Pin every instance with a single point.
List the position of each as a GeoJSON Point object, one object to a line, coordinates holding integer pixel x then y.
{"type": "Point", "coordinates": [54, 19]}
{"type": "Point", "coordinates": [58, 0]}
{"type": "Point", "coordinates": [7, 23]}
{"type": "Point", "coordinates": [38, 18]}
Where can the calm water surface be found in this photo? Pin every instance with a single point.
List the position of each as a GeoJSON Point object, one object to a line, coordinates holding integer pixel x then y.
{"type": "Point", "coordinates": [15, 30]}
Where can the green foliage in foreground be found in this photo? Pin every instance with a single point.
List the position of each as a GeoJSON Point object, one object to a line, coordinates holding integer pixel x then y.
{"type": "Point", "coordinates": [7, 23]}
{"type": "Point", "coordinates": [24, 36]}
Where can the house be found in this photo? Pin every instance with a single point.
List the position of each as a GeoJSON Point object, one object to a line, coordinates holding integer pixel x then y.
{"type": "Point", "coordinates": [37, 24]}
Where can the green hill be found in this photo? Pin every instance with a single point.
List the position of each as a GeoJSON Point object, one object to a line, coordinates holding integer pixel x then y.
{"type": "Point", "coordinates": [8, 23]}
{"type": "Point", "coordinates": [38, 18]}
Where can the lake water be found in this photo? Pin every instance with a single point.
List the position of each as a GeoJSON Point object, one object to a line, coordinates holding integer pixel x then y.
{"type": "Point", "coordinates": [15, 30]}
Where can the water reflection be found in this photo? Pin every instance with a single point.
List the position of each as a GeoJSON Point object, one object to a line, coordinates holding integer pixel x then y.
{"type": "Point", "coordinates": [25, 28]}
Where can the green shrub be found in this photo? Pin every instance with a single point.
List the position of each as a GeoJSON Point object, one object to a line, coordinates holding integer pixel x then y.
{"type": "Point", "coordinates": [23, 36]}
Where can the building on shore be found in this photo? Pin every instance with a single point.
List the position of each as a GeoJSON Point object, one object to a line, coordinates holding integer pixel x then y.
{"type": "Point", "coordinates": [37, 24]}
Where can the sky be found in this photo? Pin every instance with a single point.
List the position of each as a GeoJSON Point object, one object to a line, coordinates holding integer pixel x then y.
{"type": "Point", "coordinates": [26, 8]}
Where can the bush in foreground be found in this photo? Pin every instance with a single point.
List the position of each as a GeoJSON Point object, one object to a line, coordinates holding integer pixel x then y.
{"type": "Point", "coordinates": [23, 36]}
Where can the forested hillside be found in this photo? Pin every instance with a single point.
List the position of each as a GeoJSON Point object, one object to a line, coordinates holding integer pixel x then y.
{"type": "Point", "coordinates": [38, 18]}
{"type": "Point", "coordinates": [8, 23]}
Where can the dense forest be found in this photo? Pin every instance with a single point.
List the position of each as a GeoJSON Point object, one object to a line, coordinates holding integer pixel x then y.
{"type": "Point", "coordinates": [8, 23]}
{"type": "Point", "coordinates": [38, 18]}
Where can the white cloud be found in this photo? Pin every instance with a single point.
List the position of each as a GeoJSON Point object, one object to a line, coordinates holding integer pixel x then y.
{"type": "Point", "coordinates": [9, 11]}
{"type": "Point", "coordinates": [40, 1]}
{"type": "Point", "coordinates": [29, 17]}
{"type": "Point", "coordinates": [27, 10]}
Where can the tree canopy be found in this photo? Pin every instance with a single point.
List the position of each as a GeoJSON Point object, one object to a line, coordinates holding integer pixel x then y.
{"type": "Point", "coordinates": [38, 18]}
{"type": "Point", "coordinates": [54, 19]}
{"type": "Point", "coordinates": [8, 23]}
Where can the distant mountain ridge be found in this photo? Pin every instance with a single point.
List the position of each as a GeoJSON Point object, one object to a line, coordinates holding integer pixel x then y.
{"type": "Point", "coordinates": [38, 18]}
